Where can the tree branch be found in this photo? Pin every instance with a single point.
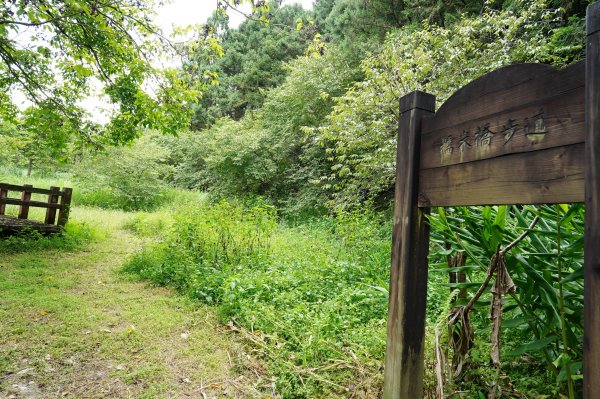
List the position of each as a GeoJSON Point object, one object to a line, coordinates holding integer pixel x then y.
{"type": "Point", "coordinates": [33, 24]}
{"type": "Point", "coordinates": [521, 237]}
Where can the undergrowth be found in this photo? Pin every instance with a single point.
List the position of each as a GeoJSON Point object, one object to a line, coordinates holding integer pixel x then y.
{"type": "Point", "coordinates": [74, 237]}
{"type": "Point", "coordinates": [309, 298]}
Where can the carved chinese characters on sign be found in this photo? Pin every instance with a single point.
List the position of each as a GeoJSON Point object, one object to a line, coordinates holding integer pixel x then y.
{"type": "Point", "coordinates": [536, 127]}
{"type": "Point", "coordinates": [485, 136]}
{"type": "Point", "coordinates": [509, 130]}
{"type": "Point", "coordinates": [446, 148]}
{"type": "Point", "coordinates": [464, 142]}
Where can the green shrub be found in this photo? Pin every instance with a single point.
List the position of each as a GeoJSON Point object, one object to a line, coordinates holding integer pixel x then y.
{"type": "Point", "coordinates": [313, 297]}
{"type": "Point", "coordinates": [128, 178]}
{"type": "Point", "coordinates": [205, 242]}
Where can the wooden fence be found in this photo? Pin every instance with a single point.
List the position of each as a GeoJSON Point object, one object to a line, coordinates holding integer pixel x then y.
{"type": "Point", "coordinates": [58, 200]}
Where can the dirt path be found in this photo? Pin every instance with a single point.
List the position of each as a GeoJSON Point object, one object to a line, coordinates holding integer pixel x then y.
{"type": "Point", "coordinates": [72, 326]}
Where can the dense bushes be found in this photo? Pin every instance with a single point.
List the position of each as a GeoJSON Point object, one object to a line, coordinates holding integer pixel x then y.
{"type": "Point", "coordinates": [270, 152]}
{"type": "Point", "coordinates": [326, 134]}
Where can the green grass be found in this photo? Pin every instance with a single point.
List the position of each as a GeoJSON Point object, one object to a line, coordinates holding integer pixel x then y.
{"type": "Point", "coordinates": [78, 328]}
{"type": "Point", "coordinates": [166, 200]}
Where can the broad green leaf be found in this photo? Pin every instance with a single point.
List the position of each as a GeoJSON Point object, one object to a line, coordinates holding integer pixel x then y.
{"type": "Point", "coordinates": [533, 346]}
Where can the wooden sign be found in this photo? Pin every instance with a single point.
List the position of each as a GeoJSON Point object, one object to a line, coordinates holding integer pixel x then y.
{"type": "Point", "coordinates": [524, 134]}
{"type": "Point", "coordinates": [513, 136]}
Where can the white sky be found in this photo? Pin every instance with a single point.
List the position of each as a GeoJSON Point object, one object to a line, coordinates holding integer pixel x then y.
{"type": "Point", "coordinates": [189, 12]}
{"type": "Point", "coordinates": [176, 13]}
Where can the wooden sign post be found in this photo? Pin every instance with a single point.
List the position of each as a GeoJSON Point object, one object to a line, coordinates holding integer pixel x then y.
{"type": "Point", "coordinates": [523, 134]}
{"type": "Point", "coordinates": [591, 339]}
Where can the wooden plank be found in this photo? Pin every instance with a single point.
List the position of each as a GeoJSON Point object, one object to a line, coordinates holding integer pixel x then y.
{"type": "Point", "coordinates": [65, 207]}
{"type": "Point", "coordinates": [540, 124]}
{"type": "Point", "coordinates": [25, 200]}
{"type": "Point", "coordinates": [555, 175]}
{"type": "Point", "coordinates": [10, 225]}
{"type": "Point", "coordinates": [34, 204]}
{"type": "Point", "coordinates": [403, 378]}
{"type": "Point", "coordinates": [591, 340]}
{"type": "Point", "coordinates": [34, 190]}
{"type": "Point", "coordinates": [3, 194]}
{"type": "Point", "coordinates": [52, 199]}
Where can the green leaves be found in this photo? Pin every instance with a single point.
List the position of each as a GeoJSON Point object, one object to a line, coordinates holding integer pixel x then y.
{"type": "Point", "coordinates": [78, 45]}
{"type": "Point", "coordinates": [544, 318]}
{"type": "Point", "coordinates": [533, 346]}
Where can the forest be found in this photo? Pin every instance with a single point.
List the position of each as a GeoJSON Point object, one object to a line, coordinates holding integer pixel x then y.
{"type": "Point", "coordinates": [252, 185]}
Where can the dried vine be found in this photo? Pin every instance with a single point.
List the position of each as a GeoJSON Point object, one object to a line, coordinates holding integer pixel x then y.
{"type": "Point", "coordinates": [462, 340]}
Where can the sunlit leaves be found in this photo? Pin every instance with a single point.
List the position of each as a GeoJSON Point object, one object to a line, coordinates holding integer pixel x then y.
{"type": "Point", "coordinates": [55, 52]}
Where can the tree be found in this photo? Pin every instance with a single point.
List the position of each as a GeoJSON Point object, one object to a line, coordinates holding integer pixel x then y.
{"type": "Point", "coordinates": [41, 144]}
{"type": "Point", "coordinates": [9, 142]}
{"type": "Point", "coordinates": [54, 51]}
{"type": "Point", "coordinates": [253, 62]}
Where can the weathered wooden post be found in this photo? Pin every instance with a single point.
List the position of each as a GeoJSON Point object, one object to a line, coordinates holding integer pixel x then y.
{"type": "Point", "coordinates": [591, 371]}
{"type": "Point", "coordinates": [65, 207]}
{"type": "Point", "coordinates": [3, 194]}
{"type": "Point", "coordinates": [26, 197]}
{"type": "Point", "coordinates": [52, 199]}
{"type": "Point", "coordinates": [403, 377]}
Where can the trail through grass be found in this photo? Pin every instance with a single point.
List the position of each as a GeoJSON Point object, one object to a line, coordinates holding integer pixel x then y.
{"type": "Point", "coordinates": [72, 325]}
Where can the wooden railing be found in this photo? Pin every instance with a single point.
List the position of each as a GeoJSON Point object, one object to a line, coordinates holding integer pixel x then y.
{"type": "Point", "coordinates": [58, 200]}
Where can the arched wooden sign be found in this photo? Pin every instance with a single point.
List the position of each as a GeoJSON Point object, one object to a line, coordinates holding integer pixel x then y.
{"type": "Point", "coordinates": [513, 136]}
{"type": "Point", "coordinates": [523, 134]}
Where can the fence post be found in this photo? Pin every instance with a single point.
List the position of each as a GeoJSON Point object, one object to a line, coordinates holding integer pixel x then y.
{"type": "Point", "coordinates": [403, 376]}
{"type": "Point", "coordinates": [591, 340]}
{"type": "Point", "coordinates": [65, 205]}
{"type": "Point", "coordinates": [26, 197]}
{"type": "Point", "coordinates": [3, 194]}
{"type": "Point", "coordinates": [52, 199]}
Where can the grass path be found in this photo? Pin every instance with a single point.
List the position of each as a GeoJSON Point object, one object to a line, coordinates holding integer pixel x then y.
{"type": "Point", "coordinates": [72, 326]}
